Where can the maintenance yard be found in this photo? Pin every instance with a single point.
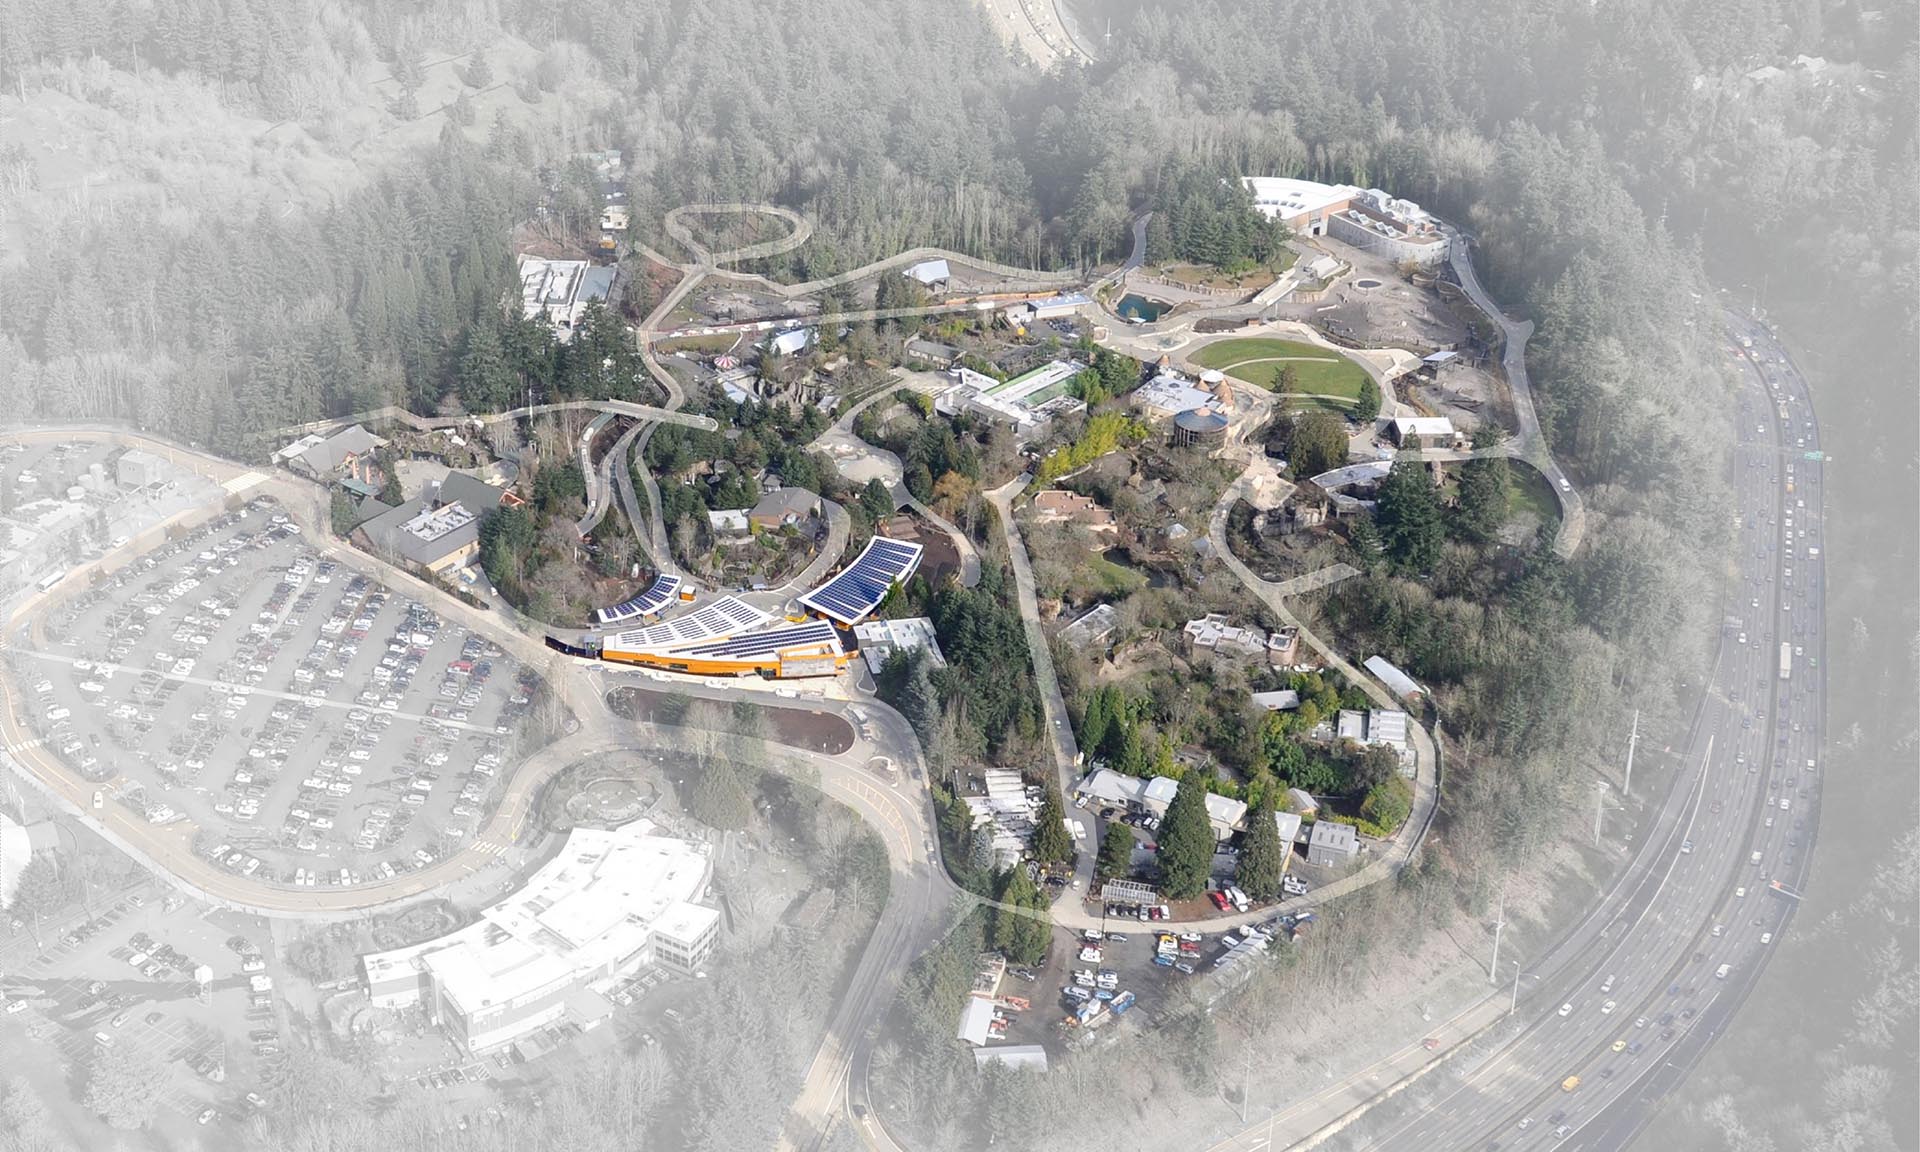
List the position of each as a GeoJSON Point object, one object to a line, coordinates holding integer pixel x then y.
{"type": "Point", "coordinates": [69, 501]}
{"type": "Point", "coordinates": [306, 725]}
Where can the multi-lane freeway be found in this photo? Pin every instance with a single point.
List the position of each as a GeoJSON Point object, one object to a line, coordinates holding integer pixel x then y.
{"type": "Point", "coordinates": [1630, 999]}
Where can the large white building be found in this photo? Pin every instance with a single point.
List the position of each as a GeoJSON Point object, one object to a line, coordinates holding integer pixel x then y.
{"type": "Point", "coordinates": [1366, 218]}
{"type": "Point", "coordinates": [610, 903]}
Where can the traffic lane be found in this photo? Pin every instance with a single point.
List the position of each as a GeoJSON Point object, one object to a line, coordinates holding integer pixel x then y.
{"type": "Point", "coordinates": [1468, 1101]}
{"type": "Point", "coordinates": [1754, 671]}
{"type": "Point", "coordinates": [1740, 945]}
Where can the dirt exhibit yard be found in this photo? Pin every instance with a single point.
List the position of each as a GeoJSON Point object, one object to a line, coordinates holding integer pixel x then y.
{"type": "Point", "coordinates": [795, 727]}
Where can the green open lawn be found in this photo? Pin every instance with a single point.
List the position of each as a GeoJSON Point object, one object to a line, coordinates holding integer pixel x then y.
{"type": "Point", "coordinates": [1257, 360]}
{"type": "Point", "coordinates": [1532, 492]}
{"type": "Point", "coordinates": [1104, 580]}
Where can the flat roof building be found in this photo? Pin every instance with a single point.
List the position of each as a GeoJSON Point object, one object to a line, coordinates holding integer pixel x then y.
{"type": "Point", "coordinates": [1167, 395]}
{"type": "Point", "coordinates": [559, 291]}
{"type": "Point", "coordinates": [880, 639]}
{"type": "Point", "coordinates": [1331, 843]}
{"type": "Point", "coordinates": [1422, 431]}
{"type": "Point", "coordinates": [610, 903]}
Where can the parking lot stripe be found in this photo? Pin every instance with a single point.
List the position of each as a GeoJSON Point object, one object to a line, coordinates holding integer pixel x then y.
{"type": "Point", "coordinates": [265, 693]}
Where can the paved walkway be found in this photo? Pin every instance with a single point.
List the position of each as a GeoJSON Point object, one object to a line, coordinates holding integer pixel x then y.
{"type": "Point", "coordinates": [1053, 705]}
{"type": "Point", "coordinates": [1530, 445]}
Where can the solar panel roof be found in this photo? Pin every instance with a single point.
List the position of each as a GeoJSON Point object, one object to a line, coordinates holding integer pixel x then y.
{"type": "Point", "coordinates": [646, 604]}
{"type": "Point", "coordinates": [858, 590]}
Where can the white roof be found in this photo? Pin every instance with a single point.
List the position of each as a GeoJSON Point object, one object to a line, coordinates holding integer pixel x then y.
{"type": "Point", "coordinates": [1422, 425]}
{"type": "Point", "coordinates": [788, 343]}
{"type": "Point", "coordinates": [1286, 198]}
{"type": "Point", "coordinates": [686, 922]}
{"type": "Point", "coordinates": [1398, 682]}
{"type": "Point", "coordinates": [1225, 810]}
{"type": "Point", "coordinates": [594, 905]}
{"type": "Point", "coordinates": [1387, 726]}
{"type": "Point", "coordinates": [975, 1015]}
{"type": "Point", "coordinates": [1285, 700]}
{"type": "Point", "coordinates": [1106, 784]}
{"type": "Point", "coordinates": [929, 271]}
{"type": "Point", "coordinates": [1170, 394]}
{"type": "Point", "coordinates": [1013, 1056]}
{"type": "Point", "coordinates": [1288, 825]}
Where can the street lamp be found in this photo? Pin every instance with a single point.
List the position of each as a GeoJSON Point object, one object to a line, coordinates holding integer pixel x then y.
{"type": "Point", "coordinates": [1517, 973]}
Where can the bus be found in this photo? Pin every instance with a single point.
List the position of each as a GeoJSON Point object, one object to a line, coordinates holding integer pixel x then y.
{"type": "Point", "coordinates": [47, 582]}
{"type": "Point", "coordinates": [1786, 660]}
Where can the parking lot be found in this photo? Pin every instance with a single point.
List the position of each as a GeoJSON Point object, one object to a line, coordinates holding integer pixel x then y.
{"type": "Point", "coordinates": [309, 726]}
{"type": "Point", "coordinates": [125, 977]}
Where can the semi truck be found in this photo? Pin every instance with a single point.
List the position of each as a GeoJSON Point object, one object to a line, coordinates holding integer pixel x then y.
{"type": "Point", "coordinates": [1786, 660]}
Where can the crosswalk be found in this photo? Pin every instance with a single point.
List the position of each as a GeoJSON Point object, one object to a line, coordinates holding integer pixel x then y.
{"type": "Point", "coordinates": [489, 848]}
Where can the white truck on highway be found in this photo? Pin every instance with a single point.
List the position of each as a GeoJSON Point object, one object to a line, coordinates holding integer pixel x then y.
{"type": "Point", "coordinates": [1786, 660]}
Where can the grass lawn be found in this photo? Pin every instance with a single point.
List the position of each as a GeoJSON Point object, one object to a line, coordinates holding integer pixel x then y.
{"type": "Point", "coordinates": [1105, 580]}
{"type": "Point", "coordinates": [1317, 404]}
{"type": "Point", "coordinates": [709, 345]}
{"type": "Point", "coordinates": [1257, 360]}
{"type": "Point", "coordinates": [1531, 492]}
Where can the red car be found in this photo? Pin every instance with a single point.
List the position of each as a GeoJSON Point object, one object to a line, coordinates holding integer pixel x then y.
{"type": "Point", "coordinates": [1219, 900]}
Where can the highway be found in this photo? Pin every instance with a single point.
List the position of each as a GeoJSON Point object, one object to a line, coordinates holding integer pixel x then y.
{"type": "Point", "coordinates": [1685, 936]}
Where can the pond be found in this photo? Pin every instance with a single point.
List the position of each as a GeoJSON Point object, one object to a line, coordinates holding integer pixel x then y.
{"type": "Point", "coordinates": [1140, 309]}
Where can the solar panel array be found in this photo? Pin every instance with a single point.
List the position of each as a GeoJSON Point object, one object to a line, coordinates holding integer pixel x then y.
{"type": "Point", "coordinates": [723, 617]}
{"type": "Point", "coordinates": [656, 597]}
{"type": "Point", "coordinates": [857, 591]}
{"type": "Point", "coordinates": [811, 634]}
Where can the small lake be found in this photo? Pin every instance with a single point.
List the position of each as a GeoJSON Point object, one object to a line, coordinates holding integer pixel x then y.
{"type": "Point", "coordinates": [1140, 309]}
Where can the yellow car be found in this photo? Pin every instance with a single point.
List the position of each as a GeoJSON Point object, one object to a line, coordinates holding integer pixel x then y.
{"type": "Point", "coordinates": [1619, 1045]}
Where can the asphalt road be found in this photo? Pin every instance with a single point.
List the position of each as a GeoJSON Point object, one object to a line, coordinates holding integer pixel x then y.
{"type": "Point", "coordinates": [1698, 897]}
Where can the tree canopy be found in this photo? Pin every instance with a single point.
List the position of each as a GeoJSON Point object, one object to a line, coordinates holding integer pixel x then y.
{"type": "Point", "coordinates": [1186, 841]}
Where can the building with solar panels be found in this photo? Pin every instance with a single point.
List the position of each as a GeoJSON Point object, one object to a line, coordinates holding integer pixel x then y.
{"type": "Point", "coordinates": [853, 595]}
{"type": "Point", "coordinates": [731, 637]}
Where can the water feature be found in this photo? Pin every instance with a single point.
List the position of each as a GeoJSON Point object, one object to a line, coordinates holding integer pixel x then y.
{"type": "Point", "coordinates": [1141, 310]}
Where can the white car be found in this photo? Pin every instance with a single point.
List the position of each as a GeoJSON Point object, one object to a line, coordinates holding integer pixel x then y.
{"type": "Point", "coordinates": [1566, 1009]}
{"type": "Point", "coordinates": [1607, 1008]}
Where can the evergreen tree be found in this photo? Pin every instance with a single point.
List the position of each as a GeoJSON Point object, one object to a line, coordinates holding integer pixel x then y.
{"type": "Point", "coordinates": [877, 501]}
{"type": "Point", "coordinates": [479, 71]}
{"type": "Point", "coordinates": [1486, 488]}
{"type": "Point", "coordinates": [719, 798]}
{"type": "Point", "coordinates": [1364, 535]}
{"type": "Point", "coordinates": [1051, 842]}
{"type": "Point", "coordinates": [1115, 860]}
{"type": "Point", "coordinates": [1262, 856]}
{"type": "Point", "coordinates": [1367, 406]}
{"type": "Point", "coordinates": [1186, 841]}
{"type": "Point", "coordinates": [1097, 720]}
{"type": "Point", "coordinates": [1021, 927]}
{"type": "Point", "coordinates": [1317, 442]}
{"type": "Point", "coordinates": [1408, 516]}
